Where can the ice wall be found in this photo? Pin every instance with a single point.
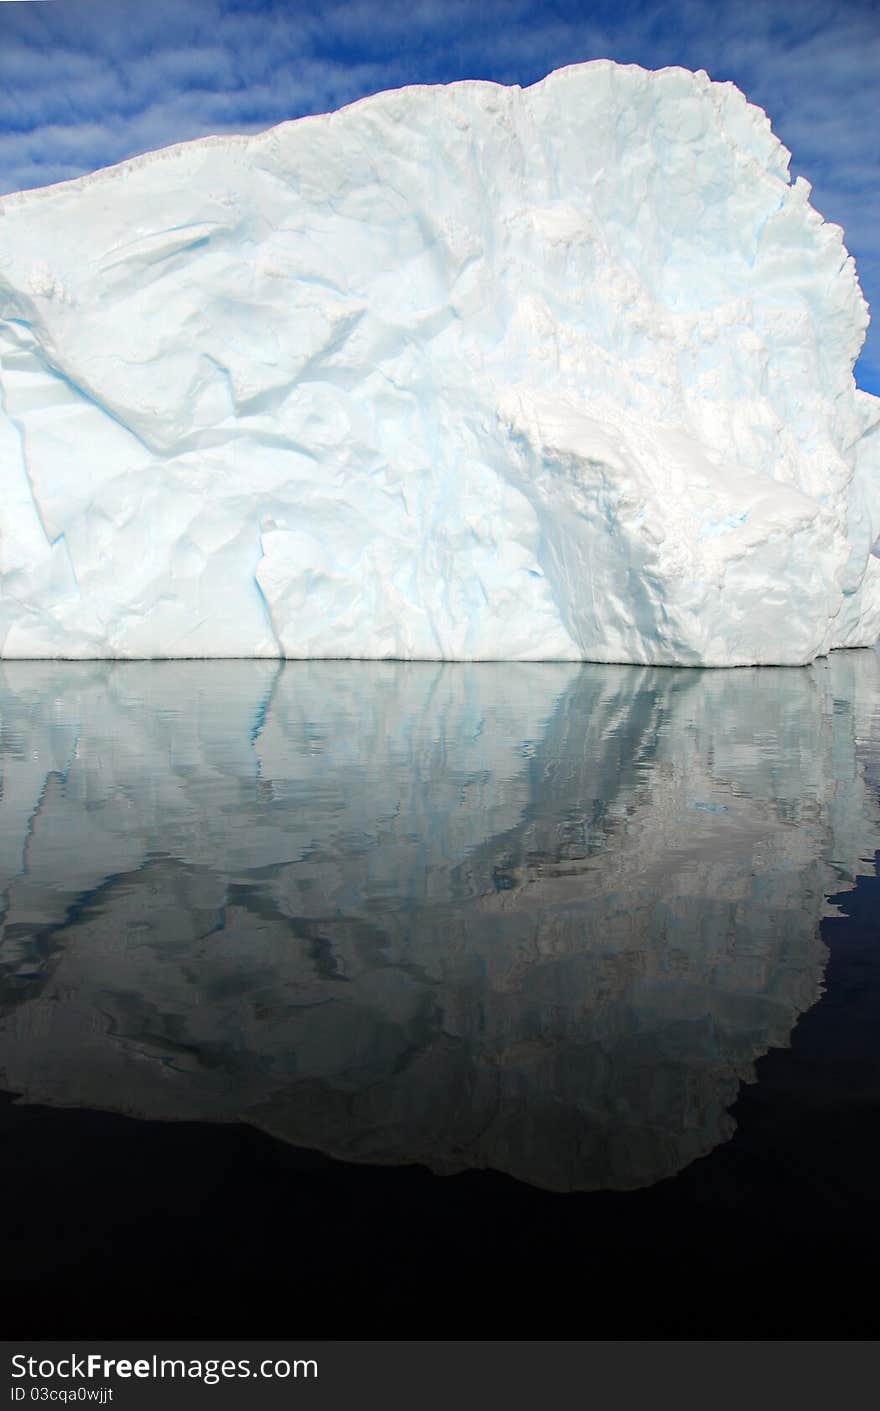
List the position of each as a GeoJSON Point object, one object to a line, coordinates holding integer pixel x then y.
{"type": "Point", "coordinates": [455, 372]}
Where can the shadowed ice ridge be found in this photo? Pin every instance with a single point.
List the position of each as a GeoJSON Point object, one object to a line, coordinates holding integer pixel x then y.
{"type": "Point", "coordinates": [539, 918]}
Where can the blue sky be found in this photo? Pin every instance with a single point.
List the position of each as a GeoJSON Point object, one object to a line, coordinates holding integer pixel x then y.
{"type": "Point", "coordinates": [84, 83]}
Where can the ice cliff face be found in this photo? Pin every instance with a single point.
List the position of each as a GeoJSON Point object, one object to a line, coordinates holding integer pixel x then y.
{"type": "Point", "coordinates": [456, 372]}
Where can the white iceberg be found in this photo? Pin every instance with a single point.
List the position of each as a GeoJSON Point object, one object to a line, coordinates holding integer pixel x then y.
{"type": "Point", "coordinates": [457, 372]}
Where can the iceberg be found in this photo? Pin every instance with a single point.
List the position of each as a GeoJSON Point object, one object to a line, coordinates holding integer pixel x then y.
{"type": "Point", "coordinates": [458, 372]}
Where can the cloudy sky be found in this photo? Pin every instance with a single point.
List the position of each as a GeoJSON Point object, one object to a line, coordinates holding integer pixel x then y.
{"type": "Point", "coordinates": [87, 82]}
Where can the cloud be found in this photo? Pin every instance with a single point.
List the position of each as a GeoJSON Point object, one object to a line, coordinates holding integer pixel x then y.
{"type": "Point", "coordinates": [84, 83]}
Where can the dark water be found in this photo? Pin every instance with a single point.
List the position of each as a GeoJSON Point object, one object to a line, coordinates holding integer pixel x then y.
{"type": "Point", "coordinates": [530, 928]}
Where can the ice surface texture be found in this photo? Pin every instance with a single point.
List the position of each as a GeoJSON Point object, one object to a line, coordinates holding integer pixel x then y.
{"type": "Point", "coordinates": [456, 372]}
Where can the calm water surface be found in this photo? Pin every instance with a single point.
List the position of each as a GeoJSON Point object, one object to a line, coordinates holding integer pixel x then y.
{"type": "Point", "coordinates": [541, 919]}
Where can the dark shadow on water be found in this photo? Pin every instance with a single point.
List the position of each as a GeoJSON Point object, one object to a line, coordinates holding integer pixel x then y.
{"type": "Point", "coordinates": [123, 1227]}
{"type": "Point", "coordinates": [548, 922]}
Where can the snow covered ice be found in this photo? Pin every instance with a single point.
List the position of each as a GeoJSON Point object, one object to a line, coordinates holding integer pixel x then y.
{"type": "Point", "coordinates": [456, 372]}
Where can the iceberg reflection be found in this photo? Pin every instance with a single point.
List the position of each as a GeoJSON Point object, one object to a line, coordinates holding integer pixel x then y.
{"type": "Point", "coordinates": [541, 918]}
